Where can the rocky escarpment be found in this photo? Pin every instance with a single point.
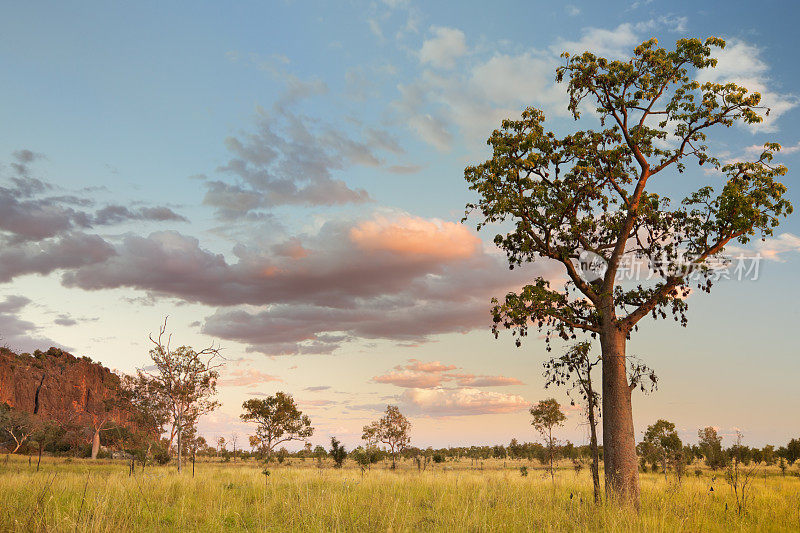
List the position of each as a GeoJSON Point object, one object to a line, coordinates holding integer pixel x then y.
{"type": "Point", "coordinates": [55, 384]}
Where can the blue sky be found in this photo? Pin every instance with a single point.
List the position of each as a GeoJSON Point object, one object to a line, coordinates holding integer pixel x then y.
{"type": "Point", "coordinates": [287, 179]}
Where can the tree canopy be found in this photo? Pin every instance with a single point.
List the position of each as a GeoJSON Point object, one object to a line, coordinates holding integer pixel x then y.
{"type": "Point", "coordinates": [392, 429]}
{"type": "Point", "coordinates": [590, 191]}
{"type": "Point", "coordinates": [278, 420]}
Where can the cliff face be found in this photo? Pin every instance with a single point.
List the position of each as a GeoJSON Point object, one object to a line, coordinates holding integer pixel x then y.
{"type": "Point", "coordinates": [55, 384]}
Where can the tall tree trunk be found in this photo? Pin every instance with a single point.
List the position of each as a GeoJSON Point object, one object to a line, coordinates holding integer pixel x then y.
{"type": "Point", "coordinates": [180, 443]}
{"type": "Point", "coordinates": [593, 447]}
{"type": "Point", "coordinates": [619, 443]}
{"type": "Point", "coordinates": [95, 443]}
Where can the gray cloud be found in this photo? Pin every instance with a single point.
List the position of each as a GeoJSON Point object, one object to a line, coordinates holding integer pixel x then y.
{"type": "Point", "coordinates": [72, 250]}
{"type": "Point", "coordinates": [40, 234]}
{"type": "Point", "coordinates": [17, 334]}
{"type": "Point", "coordinates": [115, 214]}
{"type": "Point", "coordinates": [25, 214]}
{"type": "Point", "coordinates": [404, 279]}
{"type": "Point", "coordinates": [65, 320]}
{"type": "Point", "coordinates": [288, 160]}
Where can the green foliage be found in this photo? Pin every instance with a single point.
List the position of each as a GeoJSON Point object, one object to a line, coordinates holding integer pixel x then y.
{"type": "Point", "coordinates": [392, 430]}
{"type": "Point", "coordinates": [592, 190]}
{"type": "Point", "coordinates": [661, 444]}
{"type": "Point", "coordinates": [546, 415]}
{"type": "Point", "coordinates": [278, 420]}
{"type": "Point", "coordinates": [793, 451]}
{"type": "Point", "coordinates": [711, 448]}
{"type": "Point", "coordinates": [337, 452]}
{"type": "Point", "coordinates": [161, 455]}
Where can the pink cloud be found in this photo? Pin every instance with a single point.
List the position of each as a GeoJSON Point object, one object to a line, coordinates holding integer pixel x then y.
{"type": "Point", "coordinates": [420, 366]}
{"type": "Point", "coordinates": [410, 379]}
{"type": "Point", "coordinates": [403, 279]}
{"type": "Point", "coordinates": [461, 402]}
{"type": "Point", "coordinates": [416, 237]}
{"type": "Point", "coordinates": [292, 248]}
{"type": "Point", "coordinates": [470, 380]}
{"type": "Point", "coordinates": [427, 375]}
{"type": "Point", "coordinates": [245, 377]}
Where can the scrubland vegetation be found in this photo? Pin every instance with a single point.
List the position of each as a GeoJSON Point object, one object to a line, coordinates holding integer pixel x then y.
{"type": "Point", "coordinates": [311, 495]}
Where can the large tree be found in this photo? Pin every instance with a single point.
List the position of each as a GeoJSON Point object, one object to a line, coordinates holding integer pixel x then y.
{"type": "Point", "coordinates": [185, 380]}
{"type": "Point", "coordinates": [592, 196]}
{"type": "Point", "coordinates": [277, 420]}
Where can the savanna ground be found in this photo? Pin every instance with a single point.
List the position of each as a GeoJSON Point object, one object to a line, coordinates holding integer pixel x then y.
{"type": "Point", "coordinates": [81, 495]}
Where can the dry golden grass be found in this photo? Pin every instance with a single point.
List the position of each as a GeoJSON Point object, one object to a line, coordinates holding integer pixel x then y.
{"type": "Point", "coordinates": [84, 496]}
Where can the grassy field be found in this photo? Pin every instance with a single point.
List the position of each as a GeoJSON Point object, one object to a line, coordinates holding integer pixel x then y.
{"type": "Point", "coordinates": [80, 495]}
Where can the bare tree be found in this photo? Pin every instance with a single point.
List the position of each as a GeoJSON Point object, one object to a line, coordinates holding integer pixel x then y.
{"type": "Point", "coordinates": [186, 379]}
{"type": "Point", "coordinates": [16, 424]}
{"type": "Point", "coordinates": [233, 440]}
{"type": "Point", "coordinates": [392, 430]}
{"type": "Point", "coordinates": [738, 475]}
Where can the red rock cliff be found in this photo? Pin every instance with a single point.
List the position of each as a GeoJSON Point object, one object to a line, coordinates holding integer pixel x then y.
{"type": "Point", "coordinates": [54, 383]}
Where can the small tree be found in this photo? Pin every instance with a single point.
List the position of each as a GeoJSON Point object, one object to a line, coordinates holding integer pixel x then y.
{"type": "Point", "coordinates": [147, 410]}
{"type": "Point", "coordinates": [234, 439]}
{"type": "Point", "coordinates": [46, 432]}
{"type": "Point", "coordinates": [278, 420]}
{"type": "Point", "coordinates": [547, 415]}
{"type": "Point", "coordinates": [739, 476]}
{"type": "Point", "coordinates": [255, 444]}
{"type": "Point", "coordinates": [337, 453]}
{"type": "Point", "coordinates": [185, 379]}
{"type": "Point", "coordinates": [575, 368]}
{"type": "Point", "coordinates": [15, 427]}
{"type": "Point", "coordinates": [361, 457]}
{"type": "Point", "coordinates": [793, 450]}
{"type": "Point", "coordinates": [392, 430]}
{"type": "Point", "coordinates": [768, 455]}
{"type": "Point", "coordinates": [661, 443]}
{"type": "Point", "coordinates": [711, 448]}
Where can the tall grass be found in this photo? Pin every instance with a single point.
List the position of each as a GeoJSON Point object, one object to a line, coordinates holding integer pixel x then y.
{"type": "Point", "coordinates": [101, 496]}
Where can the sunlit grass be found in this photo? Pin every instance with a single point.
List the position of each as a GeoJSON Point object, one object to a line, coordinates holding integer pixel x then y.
{"type": "Point", "coordinates": [101, 496]}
